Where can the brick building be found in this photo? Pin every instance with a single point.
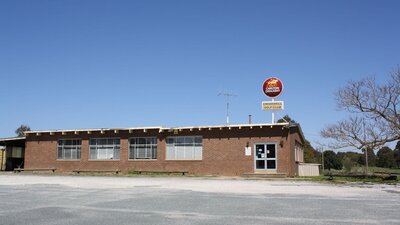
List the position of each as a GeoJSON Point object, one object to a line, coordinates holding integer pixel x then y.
{"type": "Point", "coordinates": [233, 150]}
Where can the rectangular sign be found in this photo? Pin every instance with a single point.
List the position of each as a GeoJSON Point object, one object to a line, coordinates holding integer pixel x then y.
{"type": "Point", "coordinates": [273, 105]}
{"type": "Point", "coordinates": [247, 151]}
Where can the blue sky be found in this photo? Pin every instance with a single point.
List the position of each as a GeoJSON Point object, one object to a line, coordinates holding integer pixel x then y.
{"type": "Point", "coordinates": [94, 64]}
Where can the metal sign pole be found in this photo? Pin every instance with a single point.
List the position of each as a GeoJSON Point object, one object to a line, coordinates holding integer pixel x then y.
{"type": "Point", "coordinates": [227, 110]}
{"type": "Point", "coordinates": [323, 161]}
{"type": "Point", "coordinates": [273, 113]}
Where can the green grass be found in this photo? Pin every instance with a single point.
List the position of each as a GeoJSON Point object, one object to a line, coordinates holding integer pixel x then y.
{"type": "Point", "coordinates": [361, 169]}
{"type": "Point", "coordinates": [348, 180]}
{"type": "Point", "coordinates": [357, 176]}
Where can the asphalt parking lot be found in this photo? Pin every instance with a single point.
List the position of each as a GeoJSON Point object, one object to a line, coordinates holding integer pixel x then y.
{"type": "Point", "coordinates": [75, 200]}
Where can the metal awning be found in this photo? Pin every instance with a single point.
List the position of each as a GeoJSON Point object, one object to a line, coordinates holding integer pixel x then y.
{"type": "Point", "coordinates": [13, 141]}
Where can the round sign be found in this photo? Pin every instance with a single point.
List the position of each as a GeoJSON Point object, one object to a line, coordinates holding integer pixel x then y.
{"type": "Point", "coordinates": [272, 87]}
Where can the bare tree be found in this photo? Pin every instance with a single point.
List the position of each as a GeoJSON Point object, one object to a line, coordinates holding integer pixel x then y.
{"type": "Point", "coordinates": [21, 129]}
{"type": "Point", "coordinates": [376, 119]}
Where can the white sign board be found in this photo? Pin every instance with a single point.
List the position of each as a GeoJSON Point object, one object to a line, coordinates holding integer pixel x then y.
{"type": "Point", "coordinates": [247, 151]}
{"type": "Point", "coordinates": [272, 105]}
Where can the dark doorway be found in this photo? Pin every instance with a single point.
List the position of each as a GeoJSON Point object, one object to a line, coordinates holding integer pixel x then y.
{"type": "Point", "coordinates": [14, 157]}
{"type": "Point", "coordinates": [14, 152]}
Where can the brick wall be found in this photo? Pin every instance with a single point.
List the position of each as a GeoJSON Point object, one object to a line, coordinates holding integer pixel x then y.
{"type": "Point", "coordinates": [223, 151]}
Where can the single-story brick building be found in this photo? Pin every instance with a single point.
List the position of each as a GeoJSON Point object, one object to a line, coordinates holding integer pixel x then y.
{"type": "Point", "coordinates": [232, 150]}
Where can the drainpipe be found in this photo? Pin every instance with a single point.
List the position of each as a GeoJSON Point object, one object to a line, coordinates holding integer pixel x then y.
{"type": "Point", "coordinates": [2, 159]}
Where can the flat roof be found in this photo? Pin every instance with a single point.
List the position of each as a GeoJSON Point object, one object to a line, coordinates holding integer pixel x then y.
{"type": "Point", "coordinates": [161, 128]}
{"type": "Point", "coordinates": [14, 141]}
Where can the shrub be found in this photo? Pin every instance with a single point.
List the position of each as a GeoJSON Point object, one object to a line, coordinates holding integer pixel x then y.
{"type": "Point", "coordinates": [348, 165]}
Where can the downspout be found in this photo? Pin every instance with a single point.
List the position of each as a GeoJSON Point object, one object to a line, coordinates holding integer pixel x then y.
{"type": "Point", "coordinates": [2, 157]}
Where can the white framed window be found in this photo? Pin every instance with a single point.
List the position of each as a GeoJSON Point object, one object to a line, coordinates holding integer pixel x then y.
{"type": "Point", "coordinates": [104, 148]}
{"type": "Point", "coordinates": [298, 152]}
{"type": "Point", "coordinates": [69, 149]}
{"type": "Point", "coordinates": [143, 148]}
{"type": "Point", "coordinates": [184, 148]}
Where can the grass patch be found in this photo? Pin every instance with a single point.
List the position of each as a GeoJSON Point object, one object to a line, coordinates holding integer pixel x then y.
{"type": "Point", "coordinates": [354, 179]}
{"type": "Point", "coordinates": [357, 175]}
{"type": "Point", "coordinates": [361, 169]}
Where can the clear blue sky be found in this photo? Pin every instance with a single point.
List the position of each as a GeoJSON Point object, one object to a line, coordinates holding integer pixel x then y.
{"type": "Point", "coordinates": [93, 64]}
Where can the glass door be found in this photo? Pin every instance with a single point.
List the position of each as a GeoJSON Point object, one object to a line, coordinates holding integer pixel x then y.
{"type": "Point", "coordinates": [265, 156]}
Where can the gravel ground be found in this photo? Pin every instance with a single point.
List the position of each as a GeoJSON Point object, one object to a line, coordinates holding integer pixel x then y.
{"type": "Point", "coordinates": [40, 199]}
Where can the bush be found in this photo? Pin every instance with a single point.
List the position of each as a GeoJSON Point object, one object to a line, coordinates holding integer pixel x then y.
{"type": "Point", "coordinates": [348, 165]}
{"type": "Point", "coordinates": [332, 161]}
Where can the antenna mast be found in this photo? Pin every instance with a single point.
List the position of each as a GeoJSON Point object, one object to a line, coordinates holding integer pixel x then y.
{"type": "Point", "coordinates": [227, 95]}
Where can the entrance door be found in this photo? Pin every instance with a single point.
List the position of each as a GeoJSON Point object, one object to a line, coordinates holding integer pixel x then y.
{"type": "Point", "coordinates": [265, 157]}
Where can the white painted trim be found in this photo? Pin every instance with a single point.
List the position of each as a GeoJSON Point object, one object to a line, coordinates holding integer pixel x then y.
{"type": "Point", "coordinates": [192, 128]}
{"type": "Point", "coordinates": [13, 138]}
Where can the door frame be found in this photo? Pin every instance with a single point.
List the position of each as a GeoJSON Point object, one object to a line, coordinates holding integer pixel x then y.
{"type": "Point", "coordinates": [276, 157]}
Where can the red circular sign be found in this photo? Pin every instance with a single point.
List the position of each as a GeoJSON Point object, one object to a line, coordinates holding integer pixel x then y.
{"type": "Point", "coordinates": [272, 87]}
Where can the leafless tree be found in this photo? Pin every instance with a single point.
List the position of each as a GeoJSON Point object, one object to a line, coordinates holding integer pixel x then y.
{"type": "Point", "coordinates": [375, 119]}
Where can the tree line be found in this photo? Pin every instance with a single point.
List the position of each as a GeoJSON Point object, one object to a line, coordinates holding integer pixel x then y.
{"type": "Point", "coordinates": [385, 157]}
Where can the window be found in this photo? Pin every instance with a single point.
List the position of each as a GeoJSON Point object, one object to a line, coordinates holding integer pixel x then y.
{"type": "Point", "coordinates": [17, 152]}
{"type": "Point", "coordinates": [69, 149]}
{"type": "Point", "coordinates": [143, 148]}
{"type": "Point", "coordinates": [184, 148]}
{"type": "Point", "coordinates": [298, 152]}
{"type": "Point", "coordinates": [104, 149]}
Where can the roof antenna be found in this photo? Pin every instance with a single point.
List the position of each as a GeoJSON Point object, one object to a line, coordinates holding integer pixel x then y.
{"type": "Point", "coordinates": [227, 95]}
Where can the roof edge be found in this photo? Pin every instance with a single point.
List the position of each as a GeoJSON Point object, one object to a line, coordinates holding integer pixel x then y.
{"type": "Point", "coordinates": [159, 128]}
{"type": "Point", "coordinates": [297, 125]}
{"type": "Point", "coordinates": [12, 138]}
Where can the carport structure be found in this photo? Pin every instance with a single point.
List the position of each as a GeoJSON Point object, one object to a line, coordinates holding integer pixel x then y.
{"type": "Point", "coordinates": [12, 153]}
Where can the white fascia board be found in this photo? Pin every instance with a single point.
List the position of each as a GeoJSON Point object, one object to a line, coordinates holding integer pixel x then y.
{"type": "Point", "coordinates": [160, 128]}
{"type": "Point", "coordinates": [12, 138]}
{"type": "Point", "coordinates": [95, 129]}
{"type": "Point", "coordinates": [232, 125]}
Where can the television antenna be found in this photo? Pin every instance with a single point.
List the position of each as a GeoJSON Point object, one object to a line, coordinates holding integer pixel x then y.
{"type": "Point", "coordinates": [227, 95]}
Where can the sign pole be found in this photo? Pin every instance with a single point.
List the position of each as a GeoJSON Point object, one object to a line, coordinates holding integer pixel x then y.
{"type": "Point", "coordinates": [273, 113]}
{"type": "Point", "coordinates": [227, 111]}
